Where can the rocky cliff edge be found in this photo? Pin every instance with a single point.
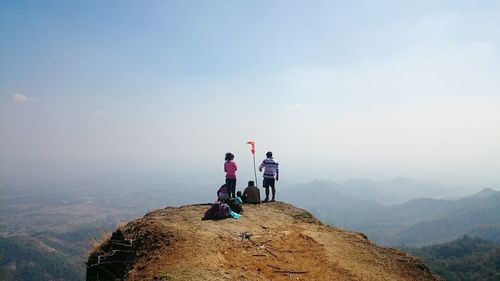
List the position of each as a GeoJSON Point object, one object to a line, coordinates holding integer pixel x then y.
{"type": "Point", "coordinates": [273, 241]}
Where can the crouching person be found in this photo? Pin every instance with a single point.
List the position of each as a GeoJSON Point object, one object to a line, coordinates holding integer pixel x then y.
{"type": "Point", "coordinates": [223, 192]}
{"type": "Point", "coordinates": [251, 194]}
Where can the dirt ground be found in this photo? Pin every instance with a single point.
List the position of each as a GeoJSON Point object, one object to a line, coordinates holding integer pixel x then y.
{"type": "Point", "coordinates": [273, 241]}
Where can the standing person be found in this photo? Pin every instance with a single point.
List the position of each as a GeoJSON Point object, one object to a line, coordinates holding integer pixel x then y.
{"type": "Point", "coordinates": [230, 168]}
{"type": "Point", "coordinates": [271, 173]}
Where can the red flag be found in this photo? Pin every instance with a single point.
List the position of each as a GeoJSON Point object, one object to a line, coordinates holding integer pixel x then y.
{"type": "Point", "coordinates": [253, 146]}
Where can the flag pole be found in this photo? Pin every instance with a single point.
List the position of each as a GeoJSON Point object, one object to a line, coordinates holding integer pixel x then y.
{"type": "Point", "coordinates": [252, 149]}
{"type": "Point", "coordinates": [254, 170]}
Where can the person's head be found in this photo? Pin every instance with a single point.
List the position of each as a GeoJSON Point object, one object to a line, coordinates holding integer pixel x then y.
{"type": "Point", "coordinates": [229, 156]}
{"type": "Point", "coordinates": [251, 183]}
{"type": "Point", "coordinates": [223, 192]}
{"type": "Point", "coordinates": [238, 193]}
{"type": "Point", "coordinates": [269, 154]}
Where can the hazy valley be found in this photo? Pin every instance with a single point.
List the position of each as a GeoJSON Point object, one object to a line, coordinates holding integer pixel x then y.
{"type": "Point", "coordinates": [65, 220]}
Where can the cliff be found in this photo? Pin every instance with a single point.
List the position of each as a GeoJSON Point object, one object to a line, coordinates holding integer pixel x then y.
{"type": "Point", "coordinates": [274, 241]}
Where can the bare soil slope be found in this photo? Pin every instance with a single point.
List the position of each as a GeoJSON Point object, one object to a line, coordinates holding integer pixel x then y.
{"type": "Point", "coordinates": [273, 241]}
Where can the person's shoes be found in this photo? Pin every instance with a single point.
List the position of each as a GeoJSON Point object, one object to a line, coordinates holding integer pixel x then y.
{"type": "Point", "coordinates": [272, 200]}
{"type": "Point", "coordinates": [265, 200]}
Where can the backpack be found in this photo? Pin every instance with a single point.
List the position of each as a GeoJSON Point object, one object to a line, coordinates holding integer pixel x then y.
{"type": "Point", "coordinates": [222, 212]}
{"type": "Point", "coordinates": [211, 213]}
{"type": "Point", "coordinates": [234, 205]}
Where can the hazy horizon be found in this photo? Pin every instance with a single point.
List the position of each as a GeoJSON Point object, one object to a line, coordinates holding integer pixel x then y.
{"type": "Point", "coordinates": [162, 90]}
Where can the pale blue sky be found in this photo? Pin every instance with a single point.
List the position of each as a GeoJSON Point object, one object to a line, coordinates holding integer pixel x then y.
{"type": "Point", "coordinates": [337, 89]}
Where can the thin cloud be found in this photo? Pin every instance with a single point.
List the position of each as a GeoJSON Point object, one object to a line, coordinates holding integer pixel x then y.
{"type": "Point", "coordinates": [296, 107]}
{"type": "Point", "coordinates": [20, 98]}
{"type": "Point", "coordinates": [100, 112]}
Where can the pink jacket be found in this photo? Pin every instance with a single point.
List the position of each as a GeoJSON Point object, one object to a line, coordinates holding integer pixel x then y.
{"type": "Point", "coordinates": [230, 168]}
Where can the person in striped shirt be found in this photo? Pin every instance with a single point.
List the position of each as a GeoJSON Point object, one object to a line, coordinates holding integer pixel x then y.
{"type": "Point", "coordinates": [271, 174]}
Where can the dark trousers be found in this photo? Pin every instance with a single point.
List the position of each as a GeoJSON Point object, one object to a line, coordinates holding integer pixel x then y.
{"type": "Point", "coordinates": [231, 183]}
{"type": "Point", "coordinates": [269, 183]}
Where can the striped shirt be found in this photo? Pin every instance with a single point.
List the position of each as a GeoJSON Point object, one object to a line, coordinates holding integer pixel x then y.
{"type": "Point", "coordinates": [270, 166]}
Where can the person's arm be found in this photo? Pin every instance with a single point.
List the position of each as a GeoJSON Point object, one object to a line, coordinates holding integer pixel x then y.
{"type": "Point", "coordinates": [261, 166]}
{"type": "Point", "coordinates": [277, 172]}
{"type": "Point", "coordinates": [225, 167]}
{"type": "Point", "coordinates": [235, 166]}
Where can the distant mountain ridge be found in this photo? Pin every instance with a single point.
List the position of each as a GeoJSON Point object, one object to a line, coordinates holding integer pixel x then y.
{"type": "Point", "coordinates": [421, 221]}
{"type": "Point", "coordinates": [483, 193]}
{"type": "Point", "coordinates": [466, 216]}
{"type": "Point", "coordinates": [395, 191]}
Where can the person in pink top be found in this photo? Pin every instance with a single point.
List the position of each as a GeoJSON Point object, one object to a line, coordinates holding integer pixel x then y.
{"type": "Point", "coordinates": [230, 168]}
